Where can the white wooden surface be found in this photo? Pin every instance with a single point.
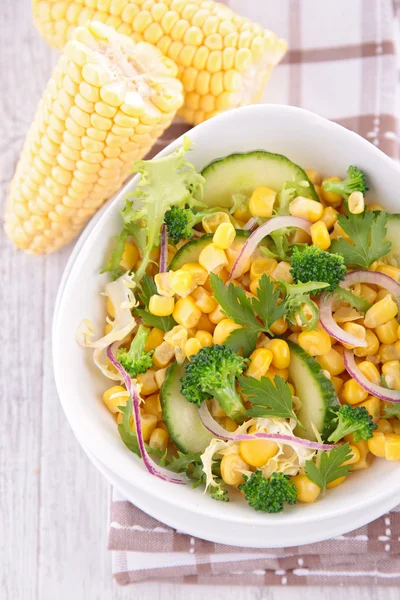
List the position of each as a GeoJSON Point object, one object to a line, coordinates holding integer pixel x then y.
{"type": "Point", "coordinates": [53, 503]}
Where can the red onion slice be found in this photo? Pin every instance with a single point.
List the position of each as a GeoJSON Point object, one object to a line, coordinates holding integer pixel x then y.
{"type": "Point", "coordinates": [260, 233]}
{"type": "Point", "coordinates": [326, 302]}
{"type": "Point", "coordinates": [163, 249]}
{"type": "Point", "coordinates": [251, 223]}
{"type": "Point", "coordinates": [131, 387]}
{"type": "Point", "coordinates": [219, 432]}
{"type": "Point", "coordinates": [371, 388]}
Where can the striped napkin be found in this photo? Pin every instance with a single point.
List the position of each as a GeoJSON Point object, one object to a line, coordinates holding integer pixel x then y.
{"type": "Point", "coordinates": [343, 64]}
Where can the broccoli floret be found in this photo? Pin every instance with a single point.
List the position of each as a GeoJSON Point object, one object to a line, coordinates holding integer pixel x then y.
{"type": "Point", "coordinates": [355, 182]}
{"type": "Point", "coordinates": [269, 495]}
{"type": "Point", "coordinates": [180, 222]}
{"type": "Point", "coordinates": [212, 373]}
{"type": "Point", "coordinates": [136, 360]}
{"type": "Point", "coordinates": [313, 264]}
{"type": "Point", "coordinates": [352, 420]}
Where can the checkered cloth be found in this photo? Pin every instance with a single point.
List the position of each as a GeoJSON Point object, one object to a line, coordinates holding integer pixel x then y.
{"type": "Point", "coordinates": [342, 64]}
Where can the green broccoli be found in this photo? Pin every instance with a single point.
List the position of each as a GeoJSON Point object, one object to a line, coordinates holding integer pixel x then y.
{"type": "Point", "coordinates": [180, 222]}
{"type": "Point", "coordinates": [352, 420]}
{"type": "Point", "coordinates": [313, 264]}
{"type": "Point", "coordinates": [269, 495]}
{"type": "Point", "coordinates": [355, 182]}
{"type": "Point", "coordinates": [296, 296]}
{"type": "Point", "coordinates": [136, 360]}
{"type": "Point", "coordinates": [212, 373]}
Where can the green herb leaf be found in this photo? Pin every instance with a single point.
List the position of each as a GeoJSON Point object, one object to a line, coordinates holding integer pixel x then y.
{"type": "Point", "coordinates": [129, 230]}
{"type": "Point", "coordinates": [268, 400]}
{"type": "Point", "coordinates": [330, 467]}
{"type": "Point", "coordinates": [392, 411]}
{"type": "Point", "coordinates": [368, 233]}
{"type": "Point", "coordinates": [148, 289]}
{"type": "Point", "coordinates": [266, 304]}
{"type": "Point", "coordinates": [163, 323]}
{"type": "Point", "coordinates": [242, 339]}
{"type": "Point", "coordinates": [129, 437]}
{"type": "Point", "coordinates": [234, 303]}
{"type": "Point", "coordinates": [356, 302]}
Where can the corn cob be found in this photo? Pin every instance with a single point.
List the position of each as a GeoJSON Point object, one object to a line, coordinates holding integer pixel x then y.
{"type": "Point", "coordinates": [107, 102]}
{"type": "Point", "coordinates": [224, 60]}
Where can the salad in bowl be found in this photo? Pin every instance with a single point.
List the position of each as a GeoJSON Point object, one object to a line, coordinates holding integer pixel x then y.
{"type": "Point", "coordinates": [251, 338]}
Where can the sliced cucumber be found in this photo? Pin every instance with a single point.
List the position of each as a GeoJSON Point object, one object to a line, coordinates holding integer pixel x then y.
{"type": "Point", "coordinates": [315, 391]}
{"type": "Point", "coordinates": [393, 235]}
{"type": "Point", "coordinates": [180, 416]}
{"type": "Point", "coordinates": [242, 173]}
{"type": "Point", "coordinates": [190, 252]}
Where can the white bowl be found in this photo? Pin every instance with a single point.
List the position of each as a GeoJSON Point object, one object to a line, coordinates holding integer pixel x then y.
{"type": "Point", "coordinates": [312, 142]}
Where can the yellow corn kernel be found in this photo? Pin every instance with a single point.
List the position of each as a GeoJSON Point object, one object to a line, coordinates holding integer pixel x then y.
{"type": "Point", "coordinates": [352, 392]}
{"type": "Point", "coordinates": [260, 362]}
{"type": "Point", "coordinates": [307, 490]}
{"type": "Point", "coordinates": [154, 339]}
{"type": "Point", "coordinates": [364, 462]}
{"type": "Point", "coordinates": [205, 324]}
{"type": "Point", "coordinates": [389, 270]}
{"type": "Point", "coordinates": [213, 259]}
{"type": "Point", "coordinates": [389, 352]}
{"type": "Point", "coordinates": [257, 452]}
{"type": "Point", "coordinates": [392, 446]}
{"type": "Point", "coordinates": [163, 354]}
{"type": "Point", "coordinates": [280, 353]}
{"type": "Point", "coordinates": [148, 383]}
{"type": "Point", "coordinates": [374, 207]}
{"type": "Point", "coordinates": [129, 257]}
{"type": "Point", "coordinates": [381, 312]}
{"type": "Point", "coordinates": [203, 300]}
{"type": "Point", "coordinates": [395, 423]}
{"type": "Point", "coordinates": [158, 439]}
{"type": "Point", "coordinates": [316, 342]}
{"type": "Point", "coordinates": [232, 466]}
{"type": "Point", "coordinates": [223, 329]}
{"type": "Point", "coordinates": [376, 444]}
{"type": "Point", "coordinates": [160, 377]}
{"type": "Point", "coordinates": [391, 372]}
{"type": "Point", "coordinates": [279, 327]}
{"type": "Point", "coordinates": [354, 329]}
{"type": "Point", "coordinates": [384, 426]}
{"type": "Point", "coordinates": [161, 306]}
{"type": "Point", "coordinates": [373, 406]}
{"type": "Point", "coordinates": [336, 482]}
{"type": "Point", "coordinates": [320, 235]}
{"type": "Point", "coordinates": [329, 216]}
{"type": "Point", "coordinates": [332, 362]}
{"type": "Point", "coordinates": [372, 346]}
{"type": "Point", "coordinates": [199, 274]}
{"type": "Point", "coordinates": [191, 347]}
{"type": "Point", "coordinates": [366, 292]}
{"type": "Point", "coordinates": [232, 254]}
{"type": "Point", "coordinates": [355, 455]}
{"type": "Point", "coordinates": [216, 316]}
{"type": "Point", "coordinates": [114, 397]}
{"type": "Point", "coordinates": [356, 203]}
{"type": "Point", "coordinates": [382, 294]}
{"type": "Point", "coordinates": [314, 176]}
{"type": "Point", "coordinates": [261, 266]}
{"type": "Point", "coordinates": [224, 236]}
{"type": "Point", "coordinates": [306, 208]}
{"type": "Point", "coordinates": [149, 423]}
{"type": "Point", "coordinates": [282, 272]}
{"type": "Point", "coordinates": [213, 221]}
{"type": "Point", "coordinates": [152, 406]}
{"type": "Point", "coordinates": [262, 201]}
{"type": "Point", "coordinates": [330, 197]}
{"type": "Point", "coordinates": [186, 313]}
{"type": "Point", "coordinates": [162, 281]}
{"type": "Point", "coordinates": [337, 383]}
{"type": "Point", "coordinates": [229, 424]}
{"type": "Point", "coordinates": [182, 283]}
{"type": "Point", "coordinates": [205, 338]}
{"type": "Point", "coordinates": [370, 371]}
{"type": "Point", "coordinates": [387, 333]}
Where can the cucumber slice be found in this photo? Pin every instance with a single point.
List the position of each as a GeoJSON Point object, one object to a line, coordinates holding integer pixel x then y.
{"type": "Point", "coordinates": [393, 235]}
{"type": "Point", "coordinates": [242, 173]}
{"type": "Point", "coordinates": [190, 252]}
{"type": "Point", "coordinates": [180, 416]}
{"type": "Point", "coordinates": [315, 391]}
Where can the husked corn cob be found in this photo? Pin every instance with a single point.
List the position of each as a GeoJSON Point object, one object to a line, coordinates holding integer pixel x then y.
{"type": "Point", "coordinates": [107, 102]}
{"type": "Point", "coordinates": [224, 59]}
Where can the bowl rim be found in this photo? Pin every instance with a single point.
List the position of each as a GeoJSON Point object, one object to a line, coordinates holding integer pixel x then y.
{"type": "Point", "coordinates": [97, 222]}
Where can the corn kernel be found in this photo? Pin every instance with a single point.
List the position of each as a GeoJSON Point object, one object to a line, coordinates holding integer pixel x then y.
{"type": "Point", "coordinates": [372, 346]}
{"type": "Point", "coordinates": [390, 271]}
{"type": "Point", "coordinates": [152, 406]}
{"type": "Point", "coordinates": [332, 361]}
{"type": "Point", "coordinates": [186, 313]}
{"type": "Point", "coordinates": [213, 259]}
{"type": "Point", "coordinates": [370, 371]}
{"type": "Point", "coordinates": [355, 456]}
{"type": "Point", "coordinates": [373, 406]}
{"type": "Point", "coordinates": [182, 283]}
{"type": "Point", "coordinates": [212, 221]}
{"type": "Point", "coordinates": [382, 294]}
{"type": "Point", "coordinates": [376, 444]}
{"type": "Point", "coordinates": [262, 201]}
{"type": "Point", "coordinates": [316, 342]}
{"type": "Point", "coordinates": [279, 327]}
{"type": "Point", "coordinates": [389, 352]}
{"type": "Point", "coordinates": [282, 272]}
{"type": "Point", "coordinates": [205, 338]}
{"type": "Point", "coordinates": [191, 347]}
{"type": "Point", "coordinates": [356, 203]}
{"type": "Point", "coordinates": [114, 397]}
{"type": "Point", "coordinates": [336, 482]}
{"type": "Point", "coordinates": [129, 257]}
{"type": "Point", "coordinates": [232, 466]}
{"type": "Point", "coordinates": [391, 372]}
{"type": "Point", "coordinates": [387, 333]}
{"type": "Point", "coordinates": [384, 426]}
{"type": "Point", "coordinates": [329, 216]}
{"type": "Point", "coordinates": [383, 311]}
{"type": "Point", "coordinates": [260, 361]}
{"type": "Point", "coordinates": [356, 330]}
{"type": "Point", "coordinates": [206, 324]}
{"type": "Point", "coordinates": [280, 353]}
{"type": "Point", "coordinates": [306, 208]}
{"type": "Point", "coordinates": [257, 452]}
{"type": "Point", "coordinates": [314, 176]}
{"type": "Point", "coordinates": [161, 306]}
{"type": "Point", "coordinates": [229, 424]}
{"type": "Point", "coordinates": [232, 254]}
{"type": "Point", "coordinates": [163, 354]}
{"type": "Point", "coordinates": [158, 439]}
{"type": "Point", "coordinates": [147, 382]}
{"type": "Point", "coordinates": [307, 490]}
{"type": "Point", "coordinates": [216, 315]}
{"type": "Point", "coordinates": [154, 339]}
{"type": "Point", "coordinates": [149, 423]}
{"type": "Point", "coordinates": [320, 235]}
{"type": "Point", "coordinates": [337, 383]}
{"type": "Point", "coordinates": [330, 197]}
{"type": "Point", "coordinates": [223, 329]}
{"type": "Point", "coordinates": [224, 236]}
{"type": "Point", "coordinates": [163, 285]}
{"type": "Point", "coordinates": [199, 274]}
{"type": "Point", "coordinates": [160, 377]}
{"type": "Point", "coordinates": [392, 446]}
{"type": "Point", "coordinates": [262, 265]}
{"type": "Point", "coordinates": [352, 392]}
{"type": "Point", "coordinates": [203, 300]}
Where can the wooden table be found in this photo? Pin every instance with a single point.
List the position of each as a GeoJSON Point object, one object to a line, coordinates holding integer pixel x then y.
{"type": "Point", "coordinates": [53, 502]}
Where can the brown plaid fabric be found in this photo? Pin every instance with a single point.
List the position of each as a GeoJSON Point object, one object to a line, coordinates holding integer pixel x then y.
{"type": "Point", "coordinates": [342, 63]}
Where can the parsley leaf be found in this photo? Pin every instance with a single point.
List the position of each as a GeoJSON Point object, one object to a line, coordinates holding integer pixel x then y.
{"type": "Point", "coordinates": [234, 303]}
{"type": "Point", "coordinates": [268, 400]}
{"type": "Point", "coordinates": [245, 339]}
{"type": "Point", "coordinates": [148, 289]}
{"type": "Point", "coordinates": [392, 411]}
{"type": "Point", "coordinates": [266, 304]}
{"type": "Point", "coordinates": [129, 437]}
{"type": "Point", "coordinates": [367, 232]}
{"type": "Point", "coordinates": [330, 466]}
{"type": "Point", "coordinates": [348, 296]}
